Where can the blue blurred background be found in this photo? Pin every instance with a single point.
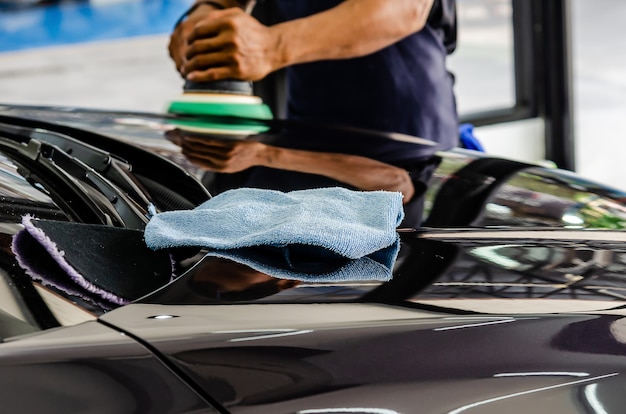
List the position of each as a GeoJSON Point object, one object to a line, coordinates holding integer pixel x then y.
{"type": "Point", "coordinates": [25, 24]}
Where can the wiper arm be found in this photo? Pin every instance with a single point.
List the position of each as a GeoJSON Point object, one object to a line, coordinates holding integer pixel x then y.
{"type": "Point", "coordinates": [107, 201]}
{"type": "Point", "coordinates": [169, 185]}
{"type": "Point", "coordinates": [114, 169]}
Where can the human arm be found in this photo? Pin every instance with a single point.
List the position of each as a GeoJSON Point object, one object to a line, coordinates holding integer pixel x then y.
{"type": "Point", "coordinates": [356, 171]}
{"type": "Point", "coordinates": [232, 44]}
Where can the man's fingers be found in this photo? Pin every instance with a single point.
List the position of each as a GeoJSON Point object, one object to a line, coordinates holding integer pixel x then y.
{"type": "Point", "coordinates": [203, 163]}
{"type": "Point", "coordinates": [209, 150]}
{"type": "Point", "coordinates": [218, 21]}
{"type": "Point", "coordinates": [209, 163]}
{"type": "Point", "coordinates": [208, 60]}
{"type": "Point", "coordinates": [203, 46]}
{"type": "Point", "coordinates": [174, 55]}
{"type": "Point", "coordinates": [204, 30]}
{"type": "Point", "coordinates": [198, 141]}
{"type": "Point", "coordinates": [211, 74]}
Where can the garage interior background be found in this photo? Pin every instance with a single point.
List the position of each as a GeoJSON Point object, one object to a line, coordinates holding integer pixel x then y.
{"type": "Point", "coordinates": [112, 54]}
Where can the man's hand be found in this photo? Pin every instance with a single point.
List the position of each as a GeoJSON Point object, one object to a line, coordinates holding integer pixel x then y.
{"type": "Point", "coordinates": [229, 44]}
{"type": "Point", "coordinates": [178, 39]}
{"type": "Point", "coordinates": [224, 156]}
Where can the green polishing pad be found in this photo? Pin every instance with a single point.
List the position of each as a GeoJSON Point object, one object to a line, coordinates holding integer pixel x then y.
{"type": "Point", "coordinates": [227, 114]}
{"type": "Point", "coordinates": [218, 104]}
{"type": "Point", "coordinates": [219, 128]}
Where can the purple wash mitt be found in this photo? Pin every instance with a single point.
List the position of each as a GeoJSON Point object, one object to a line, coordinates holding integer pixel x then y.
{"type": "Point", "coordinates": [325, 225]}
{"type": "Point", "coordinates": [104, 265]}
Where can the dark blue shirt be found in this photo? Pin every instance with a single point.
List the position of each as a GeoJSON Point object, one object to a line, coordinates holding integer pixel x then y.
{"type": "Point", "coordinates": [403, 88]}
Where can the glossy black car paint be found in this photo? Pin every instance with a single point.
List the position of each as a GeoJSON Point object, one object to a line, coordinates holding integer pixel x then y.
{"type": "Point", "coordinates": [437, 338]}
{"type": "Point", "coordinates": [89, 368]}
{"type": "Point", "coordinates": [285, 358]}
{"type": "Point", "coordinates": [474, 320]}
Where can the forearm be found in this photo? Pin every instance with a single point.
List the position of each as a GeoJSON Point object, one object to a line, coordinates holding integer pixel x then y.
{"type": "Point", "coordinates": [351, 29]}
{"type": "Point", "coordinates": [359, 172]}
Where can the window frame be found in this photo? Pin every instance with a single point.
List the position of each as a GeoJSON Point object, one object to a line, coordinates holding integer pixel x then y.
{"type": "Point", "coordinates": [542, 76]}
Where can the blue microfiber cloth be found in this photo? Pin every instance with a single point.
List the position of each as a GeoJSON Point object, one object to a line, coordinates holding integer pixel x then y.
{"type": "Point", "coordinates": [325, 225]}
{"type": "Point", "coordinates": [377, 266]}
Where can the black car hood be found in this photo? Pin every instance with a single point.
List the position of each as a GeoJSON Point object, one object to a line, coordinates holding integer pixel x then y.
{"type": "Point", "coordinates": [473, 321]}
{"type": "Point", "coordinates": [369, 358]}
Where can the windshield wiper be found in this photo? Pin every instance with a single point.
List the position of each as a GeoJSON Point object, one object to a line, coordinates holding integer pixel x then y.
{"type": "Point", "coordinates": [164, 181]}
{"type": "Point", "coordinates": [114, 169]}
{"type": "Point", "coordinates": [84, 176]}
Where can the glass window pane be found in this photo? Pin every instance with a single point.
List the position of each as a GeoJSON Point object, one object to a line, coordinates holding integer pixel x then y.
{"type": "Point", "coordinates": [483, 61]}
{"type": "Point", "coordinates": [598, 65]}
